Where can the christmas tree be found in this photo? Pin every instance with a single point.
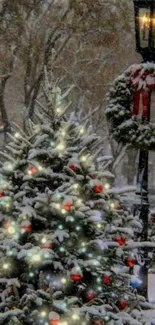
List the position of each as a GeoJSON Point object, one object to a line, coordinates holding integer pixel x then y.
{"type": "Point", "coordinates": [65, 235]}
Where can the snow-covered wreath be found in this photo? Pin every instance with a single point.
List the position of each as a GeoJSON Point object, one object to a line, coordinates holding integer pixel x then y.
{"type": "Point", "coordinates": [128, 108]}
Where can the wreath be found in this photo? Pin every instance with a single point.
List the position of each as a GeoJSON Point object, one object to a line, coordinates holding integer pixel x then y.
{"type": "Point", "coordinates": [128, 107]}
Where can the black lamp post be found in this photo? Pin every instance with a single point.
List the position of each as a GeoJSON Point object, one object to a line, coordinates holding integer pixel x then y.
{"type": "Point", "coordinates": [145, 45]}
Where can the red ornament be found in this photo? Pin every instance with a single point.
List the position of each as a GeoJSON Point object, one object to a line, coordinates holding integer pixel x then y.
{"type": "Point", "coordinates": [67, 206]}
{"type": "Point", "coordinates": [47, 246]}
{"type": "Point", "coordinates": [11, 292]}
{"type": "Point", "coordinates": [130, 262]}
{"type": "Point", "coordinates": [90, 295]}
{"type": "Point", "coordinates": [54, 321]}
{"type": "Point", "coordinates": [121, 241]}
{"type": "Point", "coordinates": [152, 219]}
{"type": "Point", "coordinates": [99, 322]}
{"type": "Point", "coordinates": [76, 277]}
{"type": "Point", "coordinates": [2, 194]}
{"type": "Point", "coordinates": [123, 304]}
{"type": "Point", "coordinates": [93, 176]}
{"type": "Point", "coordinates": [26, 226]}
{"type": "Point", "coordinates": [74, 168]}
{"type": "Point", "coordinates": [98, 188]}
{"type": "Point", "coordinates": [106, 279]}
{"type": "Point", "coordinates": [117, 207]}
{"type": "Point", "coordinates": [33, 170]}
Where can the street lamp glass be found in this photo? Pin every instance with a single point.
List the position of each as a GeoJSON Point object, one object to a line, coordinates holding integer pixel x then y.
{"type": "Point", "coordinates": [145, 28]}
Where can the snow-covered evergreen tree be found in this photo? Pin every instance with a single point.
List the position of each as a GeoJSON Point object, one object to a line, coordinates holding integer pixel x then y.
{"type": "Point", "coordinates": [65, 236]}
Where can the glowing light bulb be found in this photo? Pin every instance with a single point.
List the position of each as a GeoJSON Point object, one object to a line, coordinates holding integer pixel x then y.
{"type": "Point", "coordinates": [40, 167]}
{"type": "Point", "coordinates": [61, 249]}
{"type": "Point", "coordinates": [36, 258]}
{"type": "Point", "coordinates": [82, 130]}
{"type": "Point", "coordinates": [58, 110]}
{"type": "Point", "coordinates": [11, 230]}
{"type": "Point", "coordinates": [43, 240]}
{"type": "Point", "coordinates": [83, 244]}
{"type": "Point", "coordinates": [63, 281]}
{"type": "Point", "coordinates": [83, 158]}
{"type": "Point", "coordinates": [29, 172]}
{"type": "Point", "coordinates": [24, 217]}
{"type": "Point", "coordinates": [112, 205]}
{"type": "Point", "coordinates": [60, 147]}
{"type": "Point", "coordinates": [99, 226]}
{"type": "Point", "coordinates": [58, 205]}
{"type": "Point", "coordinates": [17, 135]}
{"type": "Point", "coordinates": [60, 227]}
{"type": "Point", "coordinates": [8, 166]}
{"type": "Point", "coordinates": [79, 201]}
{"type": "Point", "coordinates": [43, 313]}
{"type": "Point", "coordinates": [46, 255]}
{"type": "Point", "coordinates": [75, 317]}
{"type": "Point", "coordinates": [5, 266]}
{"type": "Point", "coordinates": [31, 274]}
{"type": "Point", "coordinates": [107, 186]}
{"type": "Point", "coordinates": [99, 288]}
{"type": "Point", "coordinates": [63, 132]}
{"type": "Point", "coordinates": [78, 228]}
{"type": "Point", "coordinates": [71, 219]}
{"type": "Point", "coordinates": [75, 186]}
{"type": "Point", "coordinates": [52, 143]}
{"type": "Point", "coordinates": [10, 253]}
{"type": "Point", "coordinates": [63, 211]}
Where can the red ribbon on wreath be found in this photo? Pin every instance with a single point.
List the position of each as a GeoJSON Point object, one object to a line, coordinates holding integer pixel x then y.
{"type": "Point", "coordinates": [141, 95]}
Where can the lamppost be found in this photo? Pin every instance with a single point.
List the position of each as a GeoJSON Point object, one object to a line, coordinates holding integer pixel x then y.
{"type": "Point", "coordinates": [145, 45]}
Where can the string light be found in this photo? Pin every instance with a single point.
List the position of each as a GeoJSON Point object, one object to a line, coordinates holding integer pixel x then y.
{"type": "Point", "coordinates": [8, 166]}
{"type": "Point", "coordinates": [43, 313]}
{"type": "Point", "coordinates": [63, 211]}
{"type": "Point", "coordinates": [75, 317]}
{"type": "Point", "coordinates": [58, 110]}
{"type": "Point", "coordinates": [58, 206]}
{"type": "Point", "coordinates": [52, 143]}
{"type": "Point", "coordinates": [82, 130]}
{"type": "Point", "coordinates": [75, 186]}
{"type": "Point", "coordinates": [60, 147]}
{"type": "Point", "coordinates": [107, 186]}
{"type": "Point", "coordinates": [63, 133]}
{"type": "Point", "coordinates": [11, 230]}
{"type": "Point", "coordinates": [31, 274]}
{"type": "Point", "coordinates": [36, 258]}
{"type": "Point", "coordinates": [10, 253]}
{"type": "Point", "coordinates": [83, 158]}
{"type": "Point", "coordinates": [99, 226]}
{"type": "Point", "coordinates": [63, 281]}
{"type": "Point", "coordinates": [43, 240]}
{"type": "Point", "coordinates": [61, 249]}
{"type": "Point", "coordinates": [112, 205]}
{"type": "Point", "coordinates": [5, 266]}
{"type": "Point", "coordinates": [17, 135]}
